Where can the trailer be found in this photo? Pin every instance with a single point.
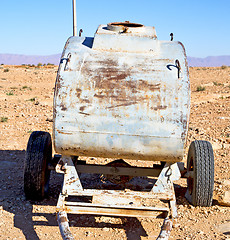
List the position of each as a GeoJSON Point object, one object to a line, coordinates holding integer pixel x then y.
{"type": "Point", "coordinates": [122, 95]}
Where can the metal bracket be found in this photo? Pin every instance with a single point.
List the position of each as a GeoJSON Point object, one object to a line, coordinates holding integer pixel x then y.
{"type": "Point", "coordinates": [66, 68]}
{"type": "Point", "coordinates": [177, 63]}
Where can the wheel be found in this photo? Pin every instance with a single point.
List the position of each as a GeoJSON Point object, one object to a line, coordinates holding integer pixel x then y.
{"type": "Point", "coordinates": [200, 174]}
{"type": "Point", "coordinates": [36, 172]}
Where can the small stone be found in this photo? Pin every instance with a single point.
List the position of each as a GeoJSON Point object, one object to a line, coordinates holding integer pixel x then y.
{"type": "Point", "coordinates": [222, 210]}
{"type": "Point", "coordinates": [176, 225]}
{"type": "Point", "coordinates": [225, 199]}
{"type": "Point", "coordinates": [224, 228]}
{"type": "Point", "coordinates": [106, 229]}
{"type": "Point", "coordinates": [49, 119]}
{"type": "Point", "coordinates": [226, 183]}
{"type": "Point", "coordinates": [226, 146]}
{"type": "Point", "coordinates": [216, 146]}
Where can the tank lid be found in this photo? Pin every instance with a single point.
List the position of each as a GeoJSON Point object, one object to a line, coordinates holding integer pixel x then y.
{"type": "Point", "coordinates": [124, 26]}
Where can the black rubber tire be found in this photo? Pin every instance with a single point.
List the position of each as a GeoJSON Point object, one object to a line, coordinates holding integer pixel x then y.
{"type": "Point", "coordinates": [36, 172]}
{"type": "Point", "coordinates": [201, 161]}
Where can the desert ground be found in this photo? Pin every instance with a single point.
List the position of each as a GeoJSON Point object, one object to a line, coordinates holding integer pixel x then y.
{"type": "Point", "coordinates": [26, 100]}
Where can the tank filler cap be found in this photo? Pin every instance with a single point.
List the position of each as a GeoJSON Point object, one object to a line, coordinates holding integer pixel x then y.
{"type": "Point", "coordinates": [124, 27]}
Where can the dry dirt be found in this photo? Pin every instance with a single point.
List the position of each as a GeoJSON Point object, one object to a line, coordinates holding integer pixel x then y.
{"type": "Point", "coordinates": [26, 105]}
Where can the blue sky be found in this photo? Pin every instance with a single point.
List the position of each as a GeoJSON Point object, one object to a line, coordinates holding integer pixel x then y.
{"type": "Point", "coordinates": [42, 27]}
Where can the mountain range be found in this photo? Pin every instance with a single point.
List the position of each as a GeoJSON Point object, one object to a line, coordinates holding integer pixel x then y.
{"type": "Point", "coordinates": [18, 59]}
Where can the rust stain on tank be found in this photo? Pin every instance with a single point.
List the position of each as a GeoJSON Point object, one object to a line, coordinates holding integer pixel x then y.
{"type": "Point", "coordinates": [99, 95]}
{"type": "Point", "coordinates": [144, 85]}
{"type": "Point", "coordinates": [82, 108]}
{"type": "Point", "coordinates": [84, 113]}
{"type": "Point", "coordinates": [78, 92]}
{"type": "Point", "coordinates": [84, 100]}
{"type": "Point", "coordinates": [160, 108]}
{"type": "Point", "coordinates": [123, 105]}
{"type": "Point", "coordinates": [110, 79]}
{"type": "Point", "coordinates": [63, 107]}
{"type": "Point", "coordinates": [116, 83]}
{"type": "Point", "coordinates": [64, 132]}
{"type": "Point", "coordinates": [58, 85]}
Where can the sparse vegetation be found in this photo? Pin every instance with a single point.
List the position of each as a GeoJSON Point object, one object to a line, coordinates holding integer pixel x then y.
{"type": "Point", "coordinates": [3, 119]}
{"type": "Point", "coordinates": [200, 88]}
{"type": "Point", "coordinates": [39, 65]}
{"type": "Point", "coordinates": [224, 67]}
{"type": "Point", "coordinates": [201, 68]}
{"type": "Point", "coordinates": [3, 79]}
{"type": "Point", "coordinates": [27, 66]}
{"type": "Point", "coordinates": [217, 84]}
{"type": "Point", "coordinates": [10, 93]}
{"type": "Point", "coordinates": [13, 88]}
{"type": "Point", "coordinates": [6, 70]}
{"type": "Point", "coordinates": [32, 99]}
{"type": "Point", "coordinates": [26, 87]}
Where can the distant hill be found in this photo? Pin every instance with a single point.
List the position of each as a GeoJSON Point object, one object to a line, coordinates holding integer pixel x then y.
{"type": "Point", "coordinates": [212, 61]}
{"type": "Point", "coordinates": [17, 59]}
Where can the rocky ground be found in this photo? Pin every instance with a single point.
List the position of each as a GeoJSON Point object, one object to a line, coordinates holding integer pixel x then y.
{"type": "Point", "coordinates": [26, 105]}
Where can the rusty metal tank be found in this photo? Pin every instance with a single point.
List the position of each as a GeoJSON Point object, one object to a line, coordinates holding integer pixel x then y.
{"type": "Point", "coordinates": [122, 94]}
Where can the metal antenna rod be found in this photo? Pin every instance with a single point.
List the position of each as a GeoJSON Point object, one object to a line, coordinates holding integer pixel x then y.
{"type": "Point", "coordinates": [74, 19]}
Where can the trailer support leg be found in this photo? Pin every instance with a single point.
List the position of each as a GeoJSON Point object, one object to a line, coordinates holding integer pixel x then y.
{"type": "Point", "coordinates": [116, 202]}
{"type": "Point", "coordinates": [63, 223]}
{"type": "Point", "coordinates": [165, 230]}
